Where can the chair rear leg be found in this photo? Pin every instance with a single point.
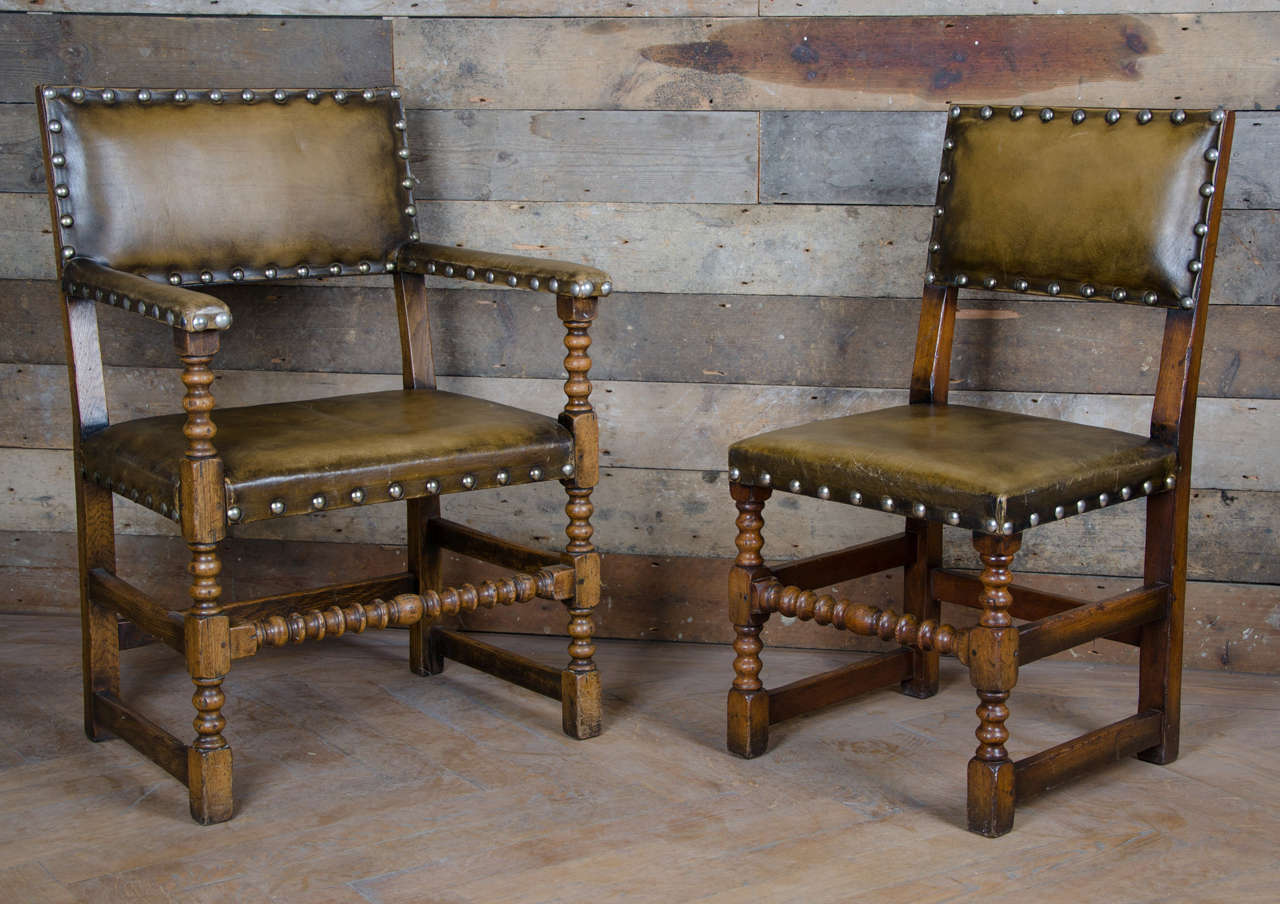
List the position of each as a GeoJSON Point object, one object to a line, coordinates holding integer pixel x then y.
{"type": "Point", "coordinates": [581, 697]}
{"type": "Point", "coordinates": [425, 657]}
{"type": "Point", "coordinates": [1160, 659]}
{"type": "Point", "coordinates": [918, 600]}
{"type": "Point", "coordinates": [99, 628]}
{"type": "Point", "coordinates": [748, 705]}
{"type": "Point", "coordinates": [993, 670]}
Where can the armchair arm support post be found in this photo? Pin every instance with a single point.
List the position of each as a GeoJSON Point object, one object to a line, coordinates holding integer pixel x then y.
{"type": "Point", "coordinates": [202, 502]}
{"type": "Point", "coordinates": [580, 681]}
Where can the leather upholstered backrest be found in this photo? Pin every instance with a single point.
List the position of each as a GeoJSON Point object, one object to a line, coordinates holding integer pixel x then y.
{"type": "Point", "coordinates": [1083, 203]}
{"type": "Point", "coordinates": [206, 187]}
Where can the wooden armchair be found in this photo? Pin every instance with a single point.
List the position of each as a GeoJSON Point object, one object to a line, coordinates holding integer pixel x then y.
{"type": "Point", "coordinates": [156, 194]}
{"type": "Point", "coordinates": [1103, 205]}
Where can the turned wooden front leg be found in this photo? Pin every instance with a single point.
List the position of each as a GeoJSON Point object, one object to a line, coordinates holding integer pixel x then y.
{"type": "Point", "coordinates": [580, 681]}
{"type": "Point", "coordinates": [993, 670]}
{"type": "Point", "coordinates": [206, 630]}
{"type": "Point", "coordinates": [748, 727]}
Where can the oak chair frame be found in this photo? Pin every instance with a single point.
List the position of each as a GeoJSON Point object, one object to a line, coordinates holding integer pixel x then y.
{"type": "Point", "coordinates": [1149, 617]}
{"type": "Point", "coordinates": [211, 634]}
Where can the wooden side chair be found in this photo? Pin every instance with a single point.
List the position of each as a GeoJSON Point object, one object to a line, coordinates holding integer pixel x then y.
{"type": "Point", "coordinates": [1102, 205]}
{"type": "Point", "coordinates": [158, 194]}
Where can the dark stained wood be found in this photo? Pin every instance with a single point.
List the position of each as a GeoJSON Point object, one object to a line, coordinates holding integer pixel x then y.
{"type": "Point", "coordinates": [477, 544]}
{"type": "Point", "coordinates": [503, 664]}
{"type": "Point", "coordinates": [931, 366]}
{"type": "Point", "coordinates": [142, 734]}
{"type": "Point", "coordinates": [321, 597]}
{"type": "Point", "coordinates": [837, 685]}
{"type": "Point", "coordinates": [1049, 768]}
{"type": "Point", "coordinates": [830, 568]}
{"type": "Point", "coordinates": [194, 51]}
{"type": "Point", "coordinates": [136, 606]}
{"type": "Point", "coordinates": [1103, 619]}
{"type": "Point", "coordinates": [920, 601]}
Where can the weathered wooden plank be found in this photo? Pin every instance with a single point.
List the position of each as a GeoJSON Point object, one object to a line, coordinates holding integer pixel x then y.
{"type": "Point", "coordinates": [684, 338]}
{"type": "Point", "coordinates": [1234, 448]}
{"type": "Point", "coordinates": [1229, 626]}
{"type": "Point", "coordinates": [436, 8]}
{"type": "Point", "coordinates": [1000, 7]}
{"type": "Point", "coordinates": [20, 166]}
{"type": "Point", "coordinates": [835, 157]}
{"type": "Point", "coordinates": [778, 249]}
{"type": "Point", "coordinates": [591, 155]}
{"type": "Point", "coordinates": [653, 512]}
{"type": "Point", "coordinates": [171, 51]}
{"type": "Point", "coordinates": [908, 63]}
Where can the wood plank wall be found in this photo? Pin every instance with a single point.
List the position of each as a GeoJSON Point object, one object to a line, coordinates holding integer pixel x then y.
{"type": "Point", "coordinates": [756, 175]}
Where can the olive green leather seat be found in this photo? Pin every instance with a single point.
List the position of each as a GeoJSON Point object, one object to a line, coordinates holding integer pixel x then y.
{"type": "Point", "coordinates": [336, 452]}
{"type": "Point", "coordinates": [968, 466]}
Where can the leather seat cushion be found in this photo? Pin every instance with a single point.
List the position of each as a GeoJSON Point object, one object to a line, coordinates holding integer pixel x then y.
{"type": "Point", "coordinates": [296, 451]}
{"type": "Point", "coordinates": [968, 466]}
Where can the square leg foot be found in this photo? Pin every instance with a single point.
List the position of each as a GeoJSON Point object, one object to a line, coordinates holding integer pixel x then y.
{"type": "Point", "coordinates": [425, 657]}
{"type": "Point", "coordinates": [209, 784]}
{"type": "Point", "coordinates": [748, 732]}
{"type": "Point", "coordinates": [581, 703]}
{"type": "Point", "coordinates": [991, 797]}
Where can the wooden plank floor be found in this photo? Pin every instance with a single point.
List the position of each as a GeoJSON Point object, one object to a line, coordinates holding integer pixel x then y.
{"type": "Point", "coordinates": [359, 782]}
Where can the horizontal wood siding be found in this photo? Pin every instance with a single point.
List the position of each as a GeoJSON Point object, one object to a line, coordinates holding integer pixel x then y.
{"type": "Point", "coordinates": [756, 175]}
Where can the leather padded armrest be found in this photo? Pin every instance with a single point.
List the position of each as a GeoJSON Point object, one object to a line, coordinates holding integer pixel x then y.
{"type": "Point", "coordinates": [184, 309]}
{"type": "Point", "coordinates": [514, 270]}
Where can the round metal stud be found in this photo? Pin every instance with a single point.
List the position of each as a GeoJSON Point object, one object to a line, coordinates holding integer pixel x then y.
{"type": "Point", "coordinates": [303, 271]}
{"type": "Point", "coordinates": [318, 501]}
{"type": "Point", "coordinates": [277, 506]}
{"type": "Point", "coordinates": [312, 95]}
{"type": "Point", "coordinates": [335, 269]}
{"type": "Point", "coordinates": [270, 272]}
{"type": "Point", "coordinates": [824, 492]}
{"type": "Point", "coordinates": [1087, 290]}
{"type": "Point", "coordinates": [1169, 482]}
{"type": "Point", "coordinates": [1126, 492]}
{"type": "Point", "coordinates": [606, 288]}
{"type": "Point", "coordinates": [961, 279]}
{"type": "Point", "coordinates": [534, 283]}
{"type": "Point", "coordinates": [935, 247]}
{"type": "Point", "coordinates": [1020, 285]}
{"type": "Point", "coordinates": [58, 160]}
{"type": "Point", "coordinates": [363, 267]}
{"type": "Point", "coordinates": [215, 95]}
{"type": "Point", "coordinates": [61, 191]}
{"type": "Point", "coordinates": [955, 112]}
{"type": "Point", "coordinates": [930, 277]}
{"type": "Point", "coordinates": [470, 273]}
{"type": "Point", "coordinates": [886, 503]}
{"type": "Point", "coordinates": [553, 285]}
{"type": "Point", "coordinates": [512, 281]}
{"type": "Point", "coordinates": [279, 96]}
{"type": "Point", "coordinates": [1015, 113]}
{"type": "Point", "coordinates": [199, 322]}
{"type": "Point", "coordinates": [1033, 519]}
{"type": "Point", "coordinates": [535, 473]}
{"type": "Point", "coordinates": [367, 94]}
{"type": "Point", "coordinates": [1103, 499]}
{"type": "Point", "coordinates": [765, 478]}
{"type": "Point", "coordinates": [77, 95]}
{"type": "Point", "coordinates": [1201, 229]}
{"type": "Point", "coordinates": [1148, 486]}
{"type": "Point", "coordinates": [155, 310]}
{"type": "Point", "coordinates": [1211, 155]}
{"type": "Point", "coordinates": [237, 274]}
{"type": "Point", "coordinates": [1059, 512]}
{"type": "Point", "coordinates": [357, 495]}
{"type": "Point", "coordinates": [144, 96]}
{"type": "Point", "coordinates": [1144, 117]}
{"type": "Point", "coordinates": [918, 510]}
{"type": "Point", "coordinates": [394, 93]}
{"type": "Point", "coordinates": [340, 97]}
{"type": "Point", "coordinates": [985, 112]}
{"type": "Point", "coordinates": [567, 469]}
{"type": "Point", "coordinates": [468, 481]}
{"type": "Point", "coordinates": [108, 96]}
{"type": "Point", "coordinates": [175, 279]}
{"type": "Point", "coordinates": [587, 288]}
{"type": "Point", "coordinates": [66, 221]}
{"type": "Point", "coordinates": [395, 491]}
{"type": "Point", "coordinates": [448, 269]}
{"type": "Point", "coordinates": [855, 497]}
{"type": "Point", "coordinates": [1078, 116]}
{"type": "Point", "coordinates": [234, 514]}
{"type": "Point", "coordinates": [734, 474]}
{"type": "Point", "coordinates": [431, 267]}
{"type": "Point", "coordinates": [206, 276]}
{"type": "Point", "coordinates": [1046, 115]}
{"type": "Point", "coordinates": [1113, 116]}
{"type": "Point", "coordinates": [50, 93]}
{"type": "Point", "coordinates": [433, 487]}
{"type": "Point", "coordinates": [1053, 288]}
{"type": "Point", "coordinates": [953, 517]}
{"type": "Point", "coordinates": [1150, 298]}
{"type": "Point", "coordinates": [1081, 505]}
{"type": "Point", "coordinates": [1217, 115]}
{"type": "Point", "coordinates": [992, 526]}
{"type": "Point", "coordinates": [503, 477]}
{"type": "Point", "coordinates": [794, 486]}
{"type": "Point", "coordinates": [1178, 117]}
{"type": "Point", "coordinates": [1206, 190]}
{"type": "Point", "coordinates": [247, 96]}
{"type": "Point", "coordinates": [990, 282]}
{"type": "Point", "coordinates": [1187, 302]}
{"type": "Point", "coordinates": [1194, 266]}
{"type": "Point", "coordinates": [222, 320]}
{"type": "Point", "coordinates": [1119, 294]}
{"type": "Point", "coordinates": [488, 276]}
{"type": "Point", "coordinates": [944, 177]}
{"type": "Point", "coordinates": [939, 211]}
{"type": "Point", "coordinates": [170, 317]}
